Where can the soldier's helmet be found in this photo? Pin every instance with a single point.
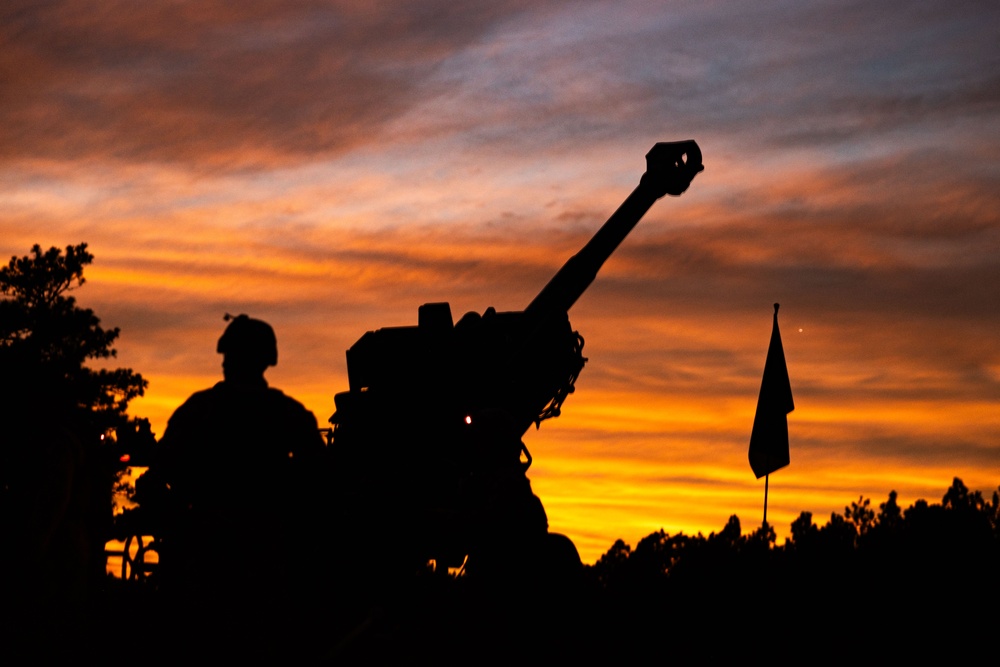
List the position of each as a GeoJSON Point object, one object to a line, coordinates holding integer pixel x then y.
{"type": "Point", "coordinates": [249, 339]}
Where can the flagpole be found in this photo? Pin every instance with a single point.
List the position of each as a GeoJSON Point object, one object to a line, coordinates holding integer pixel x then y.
{"type": "Point", "coordinates": [767, 479]}
{"type": "Point", "coordinates": [767, 483]}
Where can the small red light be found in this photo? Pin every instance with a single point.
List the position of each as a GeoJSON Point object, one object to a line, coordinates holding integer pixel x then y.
{"type": "Point", "coordinates": [124, 458]}
{"type": "Point", "coordinates": [468, 419]}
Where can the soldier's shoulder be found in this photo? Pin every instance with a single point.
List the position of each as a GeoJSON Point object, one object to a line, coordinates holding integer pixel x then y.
{"type": "Point", "coordinates": [197, 403]}
{"type": "Point", "coordinates": [282, 398]}
{"type": "Point", "coordinates": [289, 405]}
{"type": "Point", "coordinates": [203, 397]}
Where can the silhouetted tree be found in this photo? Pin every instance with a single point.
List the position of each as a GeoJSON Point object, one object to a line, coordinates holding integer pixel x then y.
{"type": "Point", "coordinates": [889, 513]}
{"type": "Point", "coordinates": [46, 340]}
{"type": "Point", "coordinates": [860, 515]}
{"type": "Point", "coordinates": [57, 415]}
{"type": "Point", "coordinates": [804, 533]}
{"type": "Point", "coordinates": [763, 537]}
{"type": "Point", "coordinates": [992, 511]}
{"type": "Point", "coordinates": [838, 536]}
{"type": "Point", "coordinates": [608, 568]}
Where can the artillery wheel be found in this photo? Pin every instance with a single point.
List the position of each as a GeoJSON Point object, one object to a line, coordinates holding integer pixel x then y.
{"type": "Point", "coordinates": [134, 565]}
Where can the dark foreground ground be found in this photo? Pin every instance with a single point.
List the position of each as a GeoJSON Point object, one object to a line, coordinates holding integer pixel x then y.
{"type": "Point", "coordinates": [440, 620]}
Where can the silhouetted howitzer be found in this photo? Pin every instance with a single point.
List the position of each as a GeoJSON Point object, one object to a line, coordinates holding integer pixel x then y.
{"type": "Point", "coordinates": [427, 439]}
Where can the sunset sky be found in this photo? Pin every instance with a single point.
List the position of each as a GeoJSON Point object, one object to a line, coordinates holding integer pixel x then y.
{"type": "Point", "coordinates": [331, 166]}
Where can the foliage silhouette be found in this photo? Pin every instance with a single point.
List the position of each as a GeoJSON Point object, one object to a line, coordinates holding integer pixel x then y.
{"type": "Point", "coordinates": [58, 415]}
{"type": "Point", "coordinates": [46, 340]}
{"type": "Point", "coordinates": [720, 593]}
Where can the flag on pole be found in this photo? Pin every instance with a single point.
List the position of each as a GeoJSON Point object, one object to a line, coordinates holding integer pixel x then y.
{"type": "Point", "coordinates": [769, 438]}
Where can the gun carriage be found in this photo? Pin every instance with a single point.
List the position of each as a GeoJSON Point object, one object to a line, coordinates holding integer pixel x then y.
{"type": "Point", "coordinates": [427, 439]}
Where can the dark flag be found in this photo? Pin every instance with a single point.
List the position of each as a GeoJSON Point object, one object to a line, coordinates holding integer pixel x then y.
{"type": "Point", "coordinates": [769, 438]}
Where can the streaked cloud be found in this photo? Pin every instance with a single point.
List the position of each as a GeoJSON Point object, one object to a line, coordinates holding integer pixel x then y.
{"type": "Point", "coordinates": [219, 85]}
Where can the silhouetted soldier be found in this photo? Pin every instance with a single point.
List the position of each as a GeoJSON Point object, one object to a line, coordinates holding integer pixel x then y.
{"type": "Point", "coordinates": [238, 471]}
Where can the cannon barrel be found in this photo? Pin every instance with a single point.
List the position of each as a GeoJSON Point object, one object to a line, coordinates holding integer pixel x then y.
{"type": "Point", "coordinates": [670, 167]}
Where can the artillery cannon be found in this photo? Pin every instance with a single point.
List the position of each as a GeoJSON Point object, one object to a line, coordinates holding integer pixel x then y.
{"type": "Point", "coordinates": [426, 441]}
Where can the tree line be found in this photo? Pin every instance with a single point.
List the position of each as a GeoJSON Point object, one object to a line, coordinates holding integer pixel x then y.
{"type": "Point", "coordinates": [963, 531]}
{"type": "Point", "coordinates": [892, 583]}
